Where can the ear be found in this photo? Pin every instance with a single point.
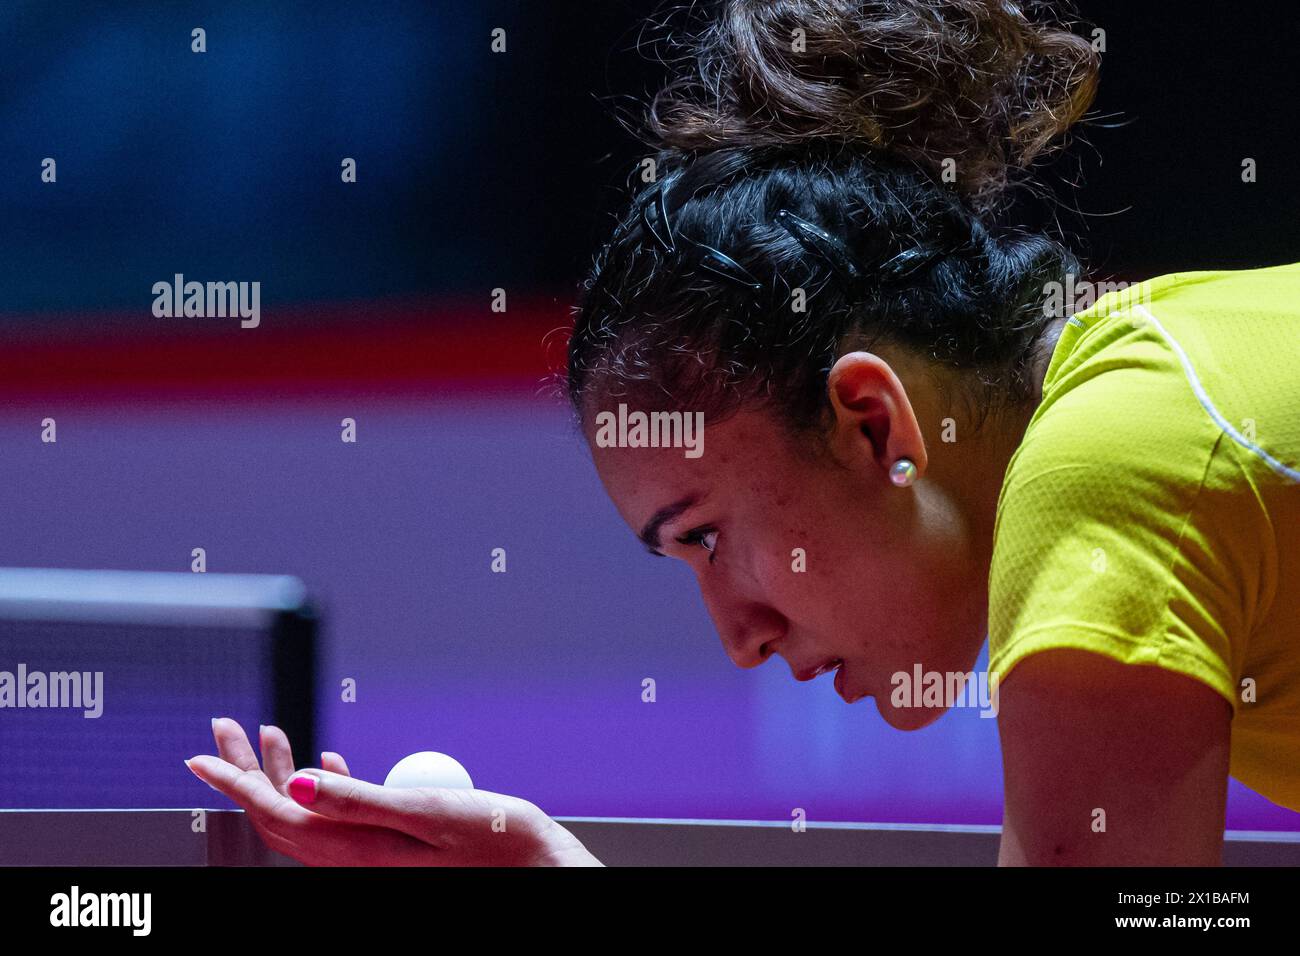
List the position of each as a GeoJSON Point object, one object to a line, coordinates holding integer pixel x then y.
{"type": "Point", "coordinates": [874, 420]}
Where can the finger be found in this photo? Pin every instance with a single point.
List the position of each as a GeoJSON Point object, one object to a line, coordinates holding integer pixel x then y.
{"type": "Point", "coordinates": [248, 788]}
{"type": "Point", "coordinates": [334, 763]}
{"type": "Point", "coordinates": [307, 837]}
{"type": "Point", "coordinates": [441, 817]}
{"type": "Point", "coordinates": [233, 744]}
{"type": "Point", "coordinates": [277, 756]}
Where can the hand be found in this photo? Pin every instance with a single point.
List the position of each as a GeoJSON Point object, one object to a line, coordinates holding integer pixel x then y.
{"type": "Point", "coordinates": [326, 817]}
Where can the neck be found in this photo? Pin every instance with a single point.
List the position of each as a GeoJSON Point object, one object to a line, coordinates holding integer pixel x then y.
{"type": "Point", "coordinates": [973, 471]}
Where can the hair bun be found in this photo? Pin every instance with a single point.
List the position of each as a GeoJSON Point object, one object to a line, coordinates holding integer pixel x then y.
{"type": "Point", "coordinates": [989, 84]}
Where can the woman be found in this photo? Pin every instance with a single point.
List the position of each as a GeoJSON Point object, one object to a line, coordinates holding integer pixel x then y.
{"type": "Point", "coordinates": [912, 444]}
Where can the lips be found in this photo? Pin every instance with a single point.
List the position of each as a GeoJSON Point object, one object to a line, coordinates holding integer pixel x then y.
{"type": "Point", "coordinates": [835, 664]}
{"type": "Point", "coordinates": [823, 668]}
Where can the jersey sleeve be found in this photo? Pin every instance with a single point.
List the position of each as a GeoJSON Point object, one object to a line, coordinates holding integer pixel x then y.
{"type": "Point", "coordinates": [1120, 531]}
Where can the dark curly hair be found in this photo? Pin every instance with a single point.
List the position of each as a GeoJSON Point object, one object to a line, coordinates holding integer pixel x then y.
{"type": "Point", "coordinates": [829, 176]}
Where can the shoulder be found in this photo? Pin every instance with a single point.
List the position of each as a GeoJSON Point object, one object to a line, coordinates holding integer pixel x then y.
{"type": "Point", "coordinates": [1102, 542]}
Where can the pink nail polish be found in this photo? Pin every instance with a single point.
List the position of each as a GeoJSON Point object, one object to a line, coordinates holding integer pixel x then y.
{"type": "Point", "coordinates": [303, 788]}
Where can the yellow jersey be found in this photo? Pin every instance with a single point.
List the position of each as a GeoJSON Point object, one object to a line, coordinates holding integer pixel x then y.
{"type": "Point", "coordinates": [1152, 511]}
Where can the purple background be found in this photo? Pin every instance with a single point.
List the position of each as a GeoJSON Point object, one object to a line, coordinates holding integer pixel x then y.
{"type": "Point", "coordinates": [532, 679]}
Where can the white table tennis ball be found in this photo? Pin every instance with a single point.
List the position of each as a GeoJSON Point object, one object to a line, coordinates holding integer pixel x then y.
{"type": "Point", "coordinates": [428, 769]}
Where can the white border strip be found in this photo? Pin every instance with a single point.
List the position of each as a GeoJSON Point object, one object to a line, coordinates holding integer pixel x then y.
{"type": "Point", "coordinates": [1261, 836]}
{"type": "Point", "coordinates": [820, 824]}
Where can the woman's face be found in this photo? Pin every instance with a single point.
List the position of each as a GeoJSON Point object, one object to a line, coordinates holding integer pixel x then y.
{"type": "Point", "coordinates": [812, 554]}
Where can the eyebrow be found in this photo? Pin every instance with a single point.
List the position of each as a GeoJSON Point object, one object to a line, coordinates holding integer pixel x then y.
{"type": "Point", "coordinates": [650, 533]}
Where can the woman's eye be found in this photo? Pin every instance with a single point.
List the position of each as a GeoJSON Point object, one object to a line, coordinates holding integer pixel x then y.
{"type": "Point", "coordinates": [705, 538]}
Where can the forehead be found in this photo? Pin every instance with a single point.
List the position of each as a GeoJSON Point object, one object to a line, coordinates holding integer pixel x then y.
{"type": "Point", "coordinates": [737, 455]}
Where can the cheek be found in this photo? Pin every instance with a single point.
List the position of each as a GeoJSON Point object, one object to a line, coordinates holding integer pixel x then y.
{"type": "Point", "coordinates": [857, 594]}
{"type": "Point", "coordinates": [815, 548]}
{"type": "Point", "coordinates": [841, 552]}
{"type": "Point", "coordinates": [822, 571]}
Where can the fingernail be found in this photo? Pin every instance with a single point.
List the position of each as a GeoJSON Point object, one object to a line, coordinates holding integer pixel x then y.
{"type": "Point", "coordinates": [214, 722]}
{"type": "Point", "coordinates": [327, 753]}
{"type": "Point", "coordinates": [303, 788]}
{"type": "Point", "coordinates": [196, 773]}
{"type": "Point", "coordinates": [261, 729]}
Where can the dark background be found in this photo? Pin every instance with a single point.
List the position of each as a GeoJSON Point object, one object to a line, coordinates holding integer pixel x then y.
{"type": "Point", "coordinates": [478, 171]}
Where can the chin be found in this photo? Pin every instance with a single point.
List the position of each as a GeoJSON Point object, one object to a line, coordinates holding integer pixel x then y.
{"type": "Point", "coordinates": [908, 718]}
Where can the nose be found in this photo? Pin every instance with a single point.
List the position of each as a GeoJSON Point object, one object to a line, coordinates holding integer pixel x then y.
{"type": "Point", "coordinates": [749, 630]}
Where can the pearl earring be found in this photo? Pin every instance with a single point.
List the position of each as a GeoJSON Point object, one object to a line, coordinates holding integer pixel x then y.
{"type": "Point", "coordinates": [902, 472]}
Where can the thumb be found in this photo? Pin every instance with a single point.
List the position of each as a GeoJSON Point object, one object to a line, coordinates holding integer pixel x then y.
{"type": "Point", "coordinates": [437, 816]}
